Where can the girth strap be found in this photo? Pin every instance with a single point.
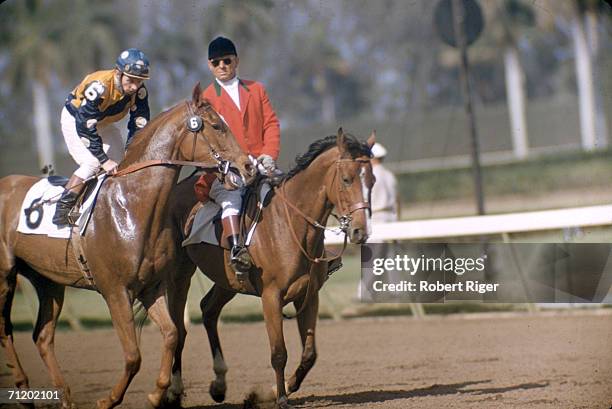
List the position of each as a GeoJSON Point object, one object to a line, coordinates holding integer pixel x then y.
{"type": "Point", "coordinates": [79, 255]}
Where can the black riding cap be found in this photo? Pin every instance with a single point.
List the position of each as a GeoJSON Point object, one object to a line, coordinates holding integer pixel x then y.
{"type": "Point", "coordinates": [221, 46]}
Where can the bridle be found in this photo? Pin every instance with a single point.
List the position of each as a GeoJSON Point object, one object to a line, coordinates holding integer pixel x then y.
{"type": "Point", "coordinates": [347, 213]}
{"type": "Point", "coordinates": [195, 127]}
{"type": "Point", "coordinates": [345, 218]}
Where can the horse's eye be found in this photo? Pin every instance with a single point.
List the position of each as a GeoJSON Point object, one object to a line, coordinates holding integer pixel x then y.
{"type": "Point", "coordinates": [347, 181]}
{"type": "Point", "coordinates": [216, 127]}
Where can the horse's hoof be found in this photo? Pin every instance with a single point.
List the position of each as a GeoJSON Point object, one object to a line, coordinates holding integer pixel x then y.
{"type": "Point", "coordinates": [287, 389]}
{"type": "Point", "coordinates": [103, 404]}
{"type": "Point", "coordinates": [283, 403]}
{"type": "Point", "coordinates": [216, 392]}
{"type": "Point", "coordinates": [172, 401]}
{"type": "Point", "coordinates": [152, 402]}
{"type": "Point", "coordinates": [69, 405]}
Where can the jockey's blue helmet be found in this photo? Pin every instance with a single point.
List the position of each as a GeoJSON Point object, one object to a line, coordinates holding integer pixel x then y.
{"type": "Point", "coordinates": [133, 63]}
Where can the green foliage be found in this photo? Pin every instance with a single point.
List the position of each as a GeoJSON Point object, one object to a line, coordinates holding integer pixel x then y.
{"type": "Point", "coordinates": [62, 37]}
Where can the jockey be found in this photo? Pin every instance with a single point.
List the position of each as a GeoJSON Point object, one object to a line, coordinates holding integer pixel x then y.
{"type": "Point", "coordinates": [246, 109]}
{"type": "Point", "coordinates": [88, 117]}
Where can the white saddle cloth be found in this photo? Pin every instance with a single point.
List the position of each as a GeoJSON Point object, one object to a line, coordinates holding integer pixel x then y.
{"type": "Point", "coordinates": [39, 220]}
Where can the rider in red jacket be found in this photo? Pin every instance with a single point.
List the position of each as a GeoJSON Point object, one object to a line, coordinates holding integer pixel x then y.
{"type": "Point", "coordinates": [245, 107]}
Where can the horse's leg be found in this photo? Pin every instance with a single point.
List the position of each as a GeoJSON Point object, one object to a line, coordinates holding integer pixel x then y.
{"type": "Point", "coordinates": [272, 310]}
{"type": "Point", "coordinates": [178, 288]}
{"type": "Point", "coordinates": [120, 307]}
{"type": "Point", "coordinates": [8, 283]}
{"type": "Point", "coordinates": [307, 322]}
{"type": "Point", "coordinates": [158, 312]}
{"type": "Point", "coordinates": [211, 306]}
{"type": "Point", "coordinates": [51, 299]}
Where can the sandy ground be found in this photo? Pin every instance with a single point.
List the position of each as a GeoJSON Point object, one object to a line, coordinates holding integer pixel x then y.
{"type": "Point", "coordinates": [551, 360]}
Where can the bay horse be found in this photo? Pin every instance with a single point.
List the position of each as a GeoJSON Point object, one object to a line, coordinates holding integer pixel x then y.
{"type": "Point", "coordinates": [128, 244]}
{"type": "Point", "coordinates": [287, 250]}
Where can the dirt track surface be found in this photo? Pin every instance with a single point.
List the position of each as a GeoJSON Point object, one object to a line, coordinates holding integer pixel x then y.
{"type": "Point", "coordinates": [485, 361]}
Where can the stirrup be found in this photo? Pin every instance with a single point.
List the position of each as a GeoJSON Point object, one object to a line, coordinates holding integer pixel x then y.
{"type": "Point", "coordinates": [240, 261]}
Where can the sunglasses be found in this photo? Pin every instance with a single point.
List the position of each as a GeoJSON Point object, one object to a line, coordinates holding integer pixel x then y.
{"type": "Point", "coordinates": [226, 61]}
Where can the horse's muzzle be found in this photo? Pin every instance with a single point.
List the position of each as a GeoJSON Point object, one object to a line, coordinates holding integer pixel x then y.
{"type": "Point", "coordinates": [358, 235]}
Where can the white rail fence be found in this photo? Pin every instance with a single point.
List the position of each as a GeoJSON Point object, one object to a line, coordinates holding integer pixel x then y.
{"type": "Point", "coordinates": [476, 226]}
{"type": "Point", "coordinates": [487, 225]}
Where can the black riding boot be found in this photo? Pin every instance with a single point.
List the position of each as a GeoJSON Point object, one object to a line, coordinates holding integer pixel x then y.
{"type": "Point", "coordinates": [74, 187]}
{"type": "Point", "coordinates": [240, 260]}
{"type": "Point", "coordinates": [63, 208]}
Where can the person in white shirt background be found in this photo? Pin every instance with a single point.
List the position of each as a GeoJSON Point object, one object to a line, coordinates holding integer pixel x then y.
{"type": "Point", "coordinates": [385, 209]}
{"type": "Point", "coordinates": [384, 202]}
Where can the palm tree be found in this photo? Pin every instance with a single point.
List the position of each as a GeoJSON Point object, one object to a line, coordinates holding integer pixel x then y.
{"type": "Point", "coordinates": [513, 16]}
{"type": "Point", "coordinates": [585, 22]}
{"type": "Point", "coordinates": [580, 20]}
{"type": "Point", "coordinates": [47, 40]}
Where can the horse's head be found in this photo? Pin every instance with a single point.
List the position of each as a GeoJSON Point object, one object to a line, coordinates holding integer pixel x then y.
{"type": "Point", "coordinates": [207, 139]}
{"type": "Point", "coordinates": [349, 184]}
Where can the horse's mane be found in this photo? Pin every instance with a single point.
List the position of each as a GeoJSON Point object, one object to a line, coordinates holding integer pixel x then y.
{"type": "Point", "coordinates": [355, 148]}
{"type": "Point", "coordinates": [143, 136]}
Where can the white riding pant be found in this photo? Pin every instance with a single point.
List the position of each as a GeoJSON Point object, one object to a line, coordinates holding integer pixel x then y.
{"type": "Point", "coordinates": [112, 143]}
{"type": "Point", "coordinates": [229, 200]}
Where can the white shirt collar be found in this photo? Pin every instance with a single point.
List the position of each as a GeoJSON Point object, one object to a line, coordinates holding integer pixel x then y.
{"type": "Point", "coordinates": [226, 84]}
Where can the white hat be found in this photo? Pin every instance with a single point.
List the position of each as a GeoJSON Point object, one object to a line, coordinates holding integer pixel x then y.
{"type": "Point", "coordinates": [378, 151]}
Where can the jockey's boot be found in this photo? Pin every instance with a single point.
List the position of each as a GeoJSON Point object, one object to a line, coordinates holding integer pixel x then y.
{"type": "Point", "coordinates": [240, 260]}
{"type": "Point", "coordinates": [74, 187]}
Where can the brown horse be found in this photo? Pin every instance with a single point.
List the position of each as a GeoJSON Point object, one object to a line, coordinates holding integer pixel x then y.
{"type": "Point", "coordinates": [128, 244]}
{"type": "Point", "coordinates": [335, 172]}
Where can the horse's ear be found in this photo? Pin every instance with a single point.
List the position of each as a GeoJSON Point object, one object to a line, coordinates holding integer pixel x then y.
{"type": "Point", "coordinates": [197, 93]}
{"type": "Point", "coordinates": [372, 139]}
{"type": "Point", "coordinates": [341, 142]}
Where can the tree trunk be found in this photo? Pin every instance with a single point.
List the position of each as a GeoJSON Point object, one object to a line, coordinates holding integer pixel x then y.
{"type": "Point", "coordinates": [42, 124]}
{"type": "Point", "coordinates": [328, 108]}
{"type": "Point", "coordinates": [515, 93]}
{"type": "Point", "coordinates": [591, 28]}
{"type": "Point", "coordinates": [584, 77]}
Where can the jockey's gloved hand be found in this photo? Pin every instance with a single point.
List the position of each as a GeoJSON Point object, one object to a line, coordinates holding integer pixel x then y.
{"type": "Point", "coordinates": [267, 161]}
{"type": "Point", "coordinates": [110, 167]}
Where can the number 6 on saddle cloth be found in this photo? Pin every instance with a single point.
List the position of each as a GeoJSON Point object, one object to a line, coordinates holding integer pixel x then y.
{"type": "Point", "coordinates": [38, 207]}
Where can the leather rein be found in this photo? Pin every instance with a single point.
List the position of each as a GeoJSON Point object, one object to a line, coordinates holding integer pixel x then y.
{"type": "Point", "coordinates": [345, 218]}
{"type": "Point", "coordinates": [222, 165]}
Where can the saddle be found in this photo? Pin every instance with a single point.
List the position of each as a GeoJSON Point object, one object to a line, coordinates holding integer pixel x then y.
{"type": "Point", "coordinates": [204, 221]}
{"type": "Point", "coordinates": [255, 198]}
